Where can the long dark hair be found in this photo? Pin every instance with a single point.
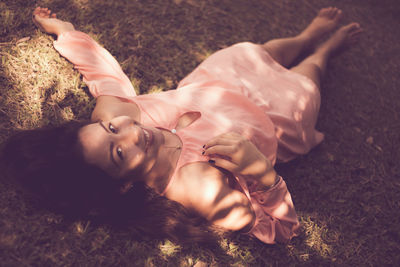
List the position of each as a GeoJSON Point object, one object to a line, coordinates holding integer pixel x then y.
{"type": "Point", "coordinates": [49, 162]}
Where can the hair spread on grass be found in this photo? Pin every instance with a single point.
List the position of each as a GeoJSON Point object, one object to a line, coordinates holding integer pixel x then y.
{"type": "Point", "coordinates": [49, 162]}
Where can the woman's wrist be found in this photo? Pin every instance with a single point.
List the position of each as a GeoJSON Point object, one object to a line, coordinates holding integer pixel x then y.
{"type": "Point", "coordinates": [265, 182]}
{"type": "Point", "coordinates": [269, 178]}
{"type": "Point", "coordinates": [265, 173]}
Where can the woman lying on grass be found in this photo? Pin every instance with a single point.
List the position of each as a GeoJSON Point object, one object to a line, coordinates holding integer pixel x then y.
{"type": "Point", "coordinates": [181, 163]}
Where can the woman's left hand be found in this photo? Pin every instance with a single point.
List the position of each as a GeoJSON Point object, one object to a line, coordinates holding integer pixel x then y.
{"type": "Point", "coordinates": [238, 155]}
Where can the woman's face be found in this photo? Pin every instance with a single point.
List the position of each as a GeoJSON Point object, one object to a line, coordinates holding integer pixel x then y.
{"type": "Point", "coordinates": [122, 147]}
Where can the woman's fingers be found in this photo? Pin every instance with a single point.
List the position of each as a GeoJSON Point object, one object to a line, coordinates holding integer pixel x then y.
{"type": "Point", "coordinates": [236, 154]}
{"type": "Point", "coordinates": [222, 139]}
{"type": "Point", "coordinates": [224, 150]}
{"type": "Point", "coordinates": [219, 141]}
{"type": "Point", "coordinates": [225, 164]}
{"type": "Point", "coordinates": [227, 144]}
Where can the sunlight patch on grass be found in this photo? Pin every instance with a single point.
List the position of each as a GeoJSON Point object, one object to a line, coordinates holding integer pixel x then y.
{"type": "Point", "coordinates": [201, 53]}
{"type": "Point", "coordinates": [40, 80]}
{"type": "Point", "coordinates": [318, 238]}
{"type": "Point", "coordinates": [168, 249]}
{"type": "Point", "coordinates": [81, 227]}
{"type": "Point", "coordinates": [155, 89]}
{"type": "Point", "coordinates": [136, 84]}
{"type": "Point", "coordinates": [242, 254]}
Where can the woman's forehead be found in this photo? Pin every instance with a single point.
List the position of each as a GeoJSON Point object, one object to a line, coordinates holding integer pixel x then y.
{"type": "Point", "coordinates": [92, 134]}
{"type": "Point", "coordinates": [93, 139]}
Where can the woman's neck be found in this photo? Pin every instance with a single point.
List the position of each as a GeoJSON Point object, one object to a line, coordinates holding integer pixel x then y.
{"type": "Point", "coordinates": [169, 153]}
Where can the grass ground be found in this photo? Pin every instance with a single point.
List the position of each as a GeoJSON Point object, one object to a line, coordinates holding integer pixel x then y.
{"type": "Point", "coordinates": [346, 191]}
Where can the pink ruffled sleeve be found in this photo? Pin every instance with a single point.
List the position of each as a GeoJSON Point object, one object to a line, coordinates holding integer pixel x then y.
{"type": "Point", "coordinates": [276, 218]}
{"type": "Point", "coordinates": [101, 72]}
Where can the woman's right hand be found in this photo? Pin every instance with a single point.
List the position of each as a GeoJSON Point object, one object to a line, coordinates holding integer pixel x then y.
{"type": "Point", "coordinates": [233, 152]}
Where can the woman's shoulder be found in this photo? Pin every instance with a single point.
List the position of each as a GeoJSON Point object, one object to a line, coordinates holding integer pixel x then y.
{"type": "Point", "coordinates": [206, 191]}
{"type": "Point", "coordinates": [196, 181]}
{"type": "Point", "coordinates": [199, 186]}
{"type": "Point", "coordinates": [108, 107]}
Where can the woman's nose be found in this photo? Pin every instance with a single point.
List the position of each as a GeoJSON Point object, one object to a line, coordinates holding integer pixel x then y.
{"type": "Point", "coordinates": [130, 134]}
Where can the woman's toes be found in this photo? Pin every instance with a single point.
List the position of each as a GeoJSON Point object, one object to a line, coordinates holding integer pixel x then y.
{"type": "Point", "coordinates": [36, 11]}
{"type": "Point", "coordinates": [335, 12]}
{"type": "Point", "coordinates": [352, 31]}
{"type": "Point", "coordinates": [355, 30]}
{"type": "Point", "coordinates": [323, 11]}
{"type": "Point", "coordinates": [338, 15]}
{"type": "Point", "coordinates": [352, 26]}
{"type": "Point", "coordinates": [331, 12]}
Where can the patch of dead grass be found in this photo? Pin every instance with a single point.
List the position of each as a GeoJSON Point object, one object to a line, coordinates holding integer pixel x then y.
{"type": "Point", "coordinates": [39, 82]}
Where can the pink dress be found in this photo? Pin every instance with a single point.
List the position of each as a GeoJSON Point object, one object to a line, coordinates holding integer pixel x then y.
{"type": "Point", "coordinates": [241, 89]}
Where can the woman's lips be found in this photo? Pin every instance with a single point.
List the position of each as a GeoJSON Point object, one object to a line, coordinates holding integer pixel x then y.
{"type": "Point", "coordinates": [148, 136]}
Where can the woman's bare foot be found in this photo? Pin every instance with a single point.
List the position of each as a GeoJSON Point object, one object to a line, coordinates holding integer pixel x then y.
{"type": "Point", "coordinates": [314, 66]}
{"type": "Point", "coordinates": [47, 22]}
{"type": "Point", "coordinates": [343, 37]}
{"type": "Point", "coordinates": [326, 21]}
{"type": "Point", "coordinates": [286, 50]}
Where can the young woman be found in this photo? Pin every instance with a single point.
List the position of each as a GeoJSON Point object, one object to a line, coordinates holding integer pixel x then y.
{"type": "Point", "coordinates": [210, 145]}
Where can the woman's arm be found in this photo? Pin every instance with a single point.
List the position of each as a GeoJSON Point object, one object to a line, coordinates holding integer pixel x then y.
{"type": "Point", "coordinates": [276, 217]}
{"type": "Point", "coordinates": [102, 74]}
{"type": "Point", "coordinates": [100, 71]}
{"type": "Point", "coordinates": [240, 156]}
{"type": "Point", "coordinates": [108, 107]}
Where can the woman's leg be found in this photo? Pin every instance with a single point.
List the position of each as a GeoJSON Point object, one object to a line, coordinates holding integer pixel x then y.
{"type": "Point", "coordinates": [47, 22]}
{"type": "Point", "coordinates": [286, 50]}
{"type": "Point", "coordinates": [314, 66]}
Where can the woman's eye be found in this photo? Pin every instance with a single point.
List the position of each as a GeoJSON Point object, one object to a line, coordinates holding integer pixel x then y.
{"type": "Point", "coordinates": [112, 128]}
{"type": "Point", "coordinates": [119, 152]}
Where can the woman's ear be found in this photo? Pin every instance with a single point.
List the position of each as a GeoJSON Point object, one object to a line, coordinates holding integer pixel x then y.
{"type": "Point", "coordinates": [125, 188]}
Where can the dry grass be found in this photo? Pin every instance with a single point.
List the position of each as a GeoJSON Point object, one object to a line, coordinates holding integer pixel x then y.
{"type": "Point", "coordinates": [346, 191]}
